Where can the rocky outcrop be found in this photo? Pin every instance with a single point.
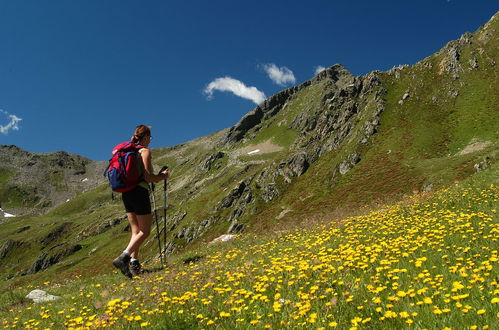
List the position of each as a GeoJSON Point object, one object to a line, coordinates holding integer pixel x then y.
{"type": "Point", "coordinates": [233, 195]}
{"type": "Point", "coordinates": [45, 260]}
{"type": "Point", "coordinates": [345, 101]}
{"type": "Point", "coordinates": [295, 166]}
{"type": "Point", "coordinates": [235, 228]}
{"type": "Point", "coordinates": [269, 108]}
{"type": "Point", "coordinates": [169, 248]}
{"type": "Point", "coordinates": [348, 163]}
{"type": "Point", "coordinates": [483, 165]}
{"type": "Point", "coordinates": [450, 62]}
{"type": "Point", "coordinates": [7, 247]}
{"type": "Point", "coordinates": [269, 192]}
{"type": "Point", "coordinates": [183, 232]}
{"type": "Point", "coordinates": [240, 208]}
{"type": "Point", "coordinates": [396, 71]}
{"type": "Point", "coordinates": [371, 125]}
{"type": "Point", "coordinates": [238, 198]}
{"type": "Point", "coordinates": [298, 164]}
{"type": "Point", "coordinates": [56, 233]}
{"type": "Point", "coordinates": [100, 227]}
{"type": "Point", "coordinates": [277, 102]}
{"type": "Point", "coordinates": [24, 228]}
{"type": "Point", "coordinates": [175, 220]}
{"type": "Point", "coordinates": [451, 55]}
{"type": "Point", "coordinates": [206, 166]}
{"type": "Point", "coordinates": [190, 233]}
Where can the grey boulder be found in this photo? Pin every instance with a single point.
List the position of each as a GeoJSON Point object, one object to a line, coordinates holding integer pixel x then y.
{"type": "Point", "coordinates": [39, 296]}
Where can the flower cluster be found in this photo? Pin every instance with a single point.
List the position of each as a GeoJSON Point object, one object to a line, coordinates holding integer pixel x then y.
{"type": "Point", "coordinates": [431, 263]}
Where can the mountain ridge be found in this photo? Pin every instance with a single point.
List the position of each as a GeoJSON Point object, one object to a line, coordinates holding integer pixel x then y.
{"type": "Point", "coordinates": [33, 183]}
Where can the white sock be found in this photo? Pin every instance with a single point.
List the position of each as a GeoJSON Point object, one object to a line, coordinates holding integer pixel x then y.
{"type": "Point", "coordinates": [126, 252]}
{"type": "Point", "coordinates": [133, 260]}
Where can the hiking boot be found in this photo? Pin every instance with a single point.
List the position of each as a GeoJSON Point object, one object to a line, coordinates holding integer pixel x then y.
{"type": "Point", "coordinates": [136, 268]}
{"type": "Point", "coordinates": [122, 263]}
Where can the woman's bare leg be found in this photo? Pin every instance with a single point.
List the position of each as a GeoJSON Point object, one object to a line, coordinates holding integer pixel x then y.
{"type": "Point", "coordinates": [134, 228]}
{"type": "Point", "coordinates": [141, 228]}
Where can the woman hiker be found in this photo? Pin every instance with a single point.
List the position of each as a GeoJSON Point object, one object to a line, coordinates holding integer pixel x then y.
{"type": "Point", "coordinates": [138, 206]}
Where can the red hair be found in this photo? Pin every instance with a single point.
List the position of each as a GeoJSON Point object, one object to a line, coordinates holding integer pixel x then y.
{"type": "Point", "coordinates": [140, 132]}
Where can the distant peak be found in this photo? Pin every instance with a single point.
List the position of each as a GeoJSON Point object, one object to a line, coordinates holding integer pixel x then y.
{"type": "Point", "coordinates": [333, 72]}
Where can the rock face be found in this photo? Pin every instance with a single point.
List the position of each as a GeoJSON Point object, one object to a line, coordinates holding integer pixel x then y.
{"type": "Point", "coordinates": [277, 102]}
{"type": "Point", "coordinates": [298, 164]}
{"type": "Point", "coordinates": [208, 162]}
{"type": "Point", "coordinates": [343, 82]}
{"type": "Point", "coordinates": [40, 296]}
{"type": "Point", "coordinates": [233, 196]}
{"type": "Point", "coordinates": [238, 198]}
{"type": "Point", "coordinates": [348, 163]}
{"type": "Point", "coordinates": [450, 62]}
{"type": "Point", "coordinates": [269, 108]}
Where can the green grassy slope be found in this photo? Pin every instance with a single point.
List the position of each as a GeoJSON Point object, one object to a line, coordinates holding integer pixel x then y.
{"type": "Point", "coordinates": [429, 261]}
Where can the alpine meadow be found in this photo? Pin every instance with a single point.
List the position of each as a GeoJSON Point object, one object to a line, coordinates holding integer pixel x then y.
{"type": "Point", "coordinates": [350, 202]}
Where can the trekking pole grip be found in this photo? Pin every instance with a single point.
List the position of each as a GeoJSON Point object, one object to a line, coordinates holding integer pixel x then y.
{"type": "Point", "coordinates": [164, 168]}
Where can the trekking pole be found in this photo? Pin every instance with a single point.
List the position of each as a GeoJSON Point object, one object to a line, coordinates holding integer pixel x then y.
{"type": "Point", "coordinates": [157, 224]}
{"type": "Point", "coordinates": [165, 192]}
{"type": "Point", "coordinates": [165, 185]}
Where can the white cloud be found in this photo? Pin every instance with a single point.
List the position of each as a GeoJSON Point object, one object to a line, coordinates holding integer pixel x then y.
{"type": "Point", "coordinates": [319, 69]}
{"type": "Point", "coordinates": [228, 84]}
{"type": "Point", "coordinates": [281, 76]}
{"type": "Point", "coordinates": [12, 125]}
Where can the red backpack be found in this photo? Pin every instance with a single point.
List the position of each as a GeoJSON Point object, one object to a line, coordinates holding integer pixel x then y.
{"type": "Point", "coordinates": [123, 171]}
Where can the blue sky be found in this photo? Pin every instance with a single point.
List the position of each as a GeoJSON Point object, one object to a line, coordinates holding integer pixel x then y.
{"type": "Point", "coordinates": [80, 75]}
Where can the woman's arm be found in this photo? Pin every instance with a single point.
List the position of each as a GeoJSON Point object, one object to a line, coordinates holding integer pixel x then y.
{"type": "Point", "coordinates": [149, 175]}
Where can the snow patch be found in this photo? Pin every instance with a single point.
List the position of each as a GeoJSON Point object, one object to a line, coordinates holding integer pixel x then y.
{"type": "Point", "coordinates": [5, 214]}
{"type": "Point", "coordinates": [254, 152]}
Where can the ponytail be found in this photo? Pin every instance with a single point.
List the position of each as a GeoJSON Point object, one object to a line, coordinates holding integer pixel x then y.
{"type": "Point", "coordinates": [140, 132]}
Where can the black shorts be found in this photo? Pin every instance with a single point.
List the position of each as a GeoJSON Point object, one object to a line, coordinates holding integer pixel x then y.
{"type": "Point", "coordinates": [137, 201]}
